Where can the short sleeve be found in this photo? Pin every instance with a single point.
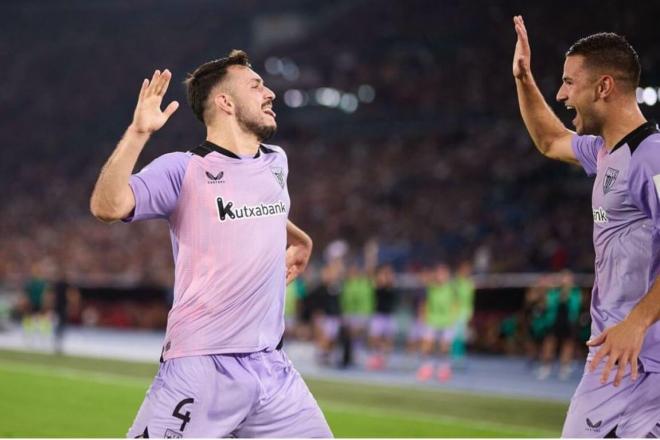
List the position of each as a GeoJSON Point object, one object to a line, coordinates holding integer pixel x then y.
{"type": "Point", "coordinates": [157, 186]}
{"type": "Point", "coordinates": [586, 150]}
{"type": "Point", "coordinates": [644, 179]}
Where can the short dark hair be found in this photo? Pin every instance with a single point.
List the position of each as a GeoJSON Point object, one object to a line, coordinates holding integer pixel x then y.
{"type": "Point", "coordinates": [609, 51]}
{"type": "Point", "coordinates": [205, 77]}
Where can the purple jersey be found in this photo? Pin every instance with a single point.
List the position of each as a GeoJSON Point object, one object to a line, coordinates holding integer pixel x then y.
{"type": "Point", "coordinates": [626, 213]}
{"type": "Point", "coordinates": [227, 217]}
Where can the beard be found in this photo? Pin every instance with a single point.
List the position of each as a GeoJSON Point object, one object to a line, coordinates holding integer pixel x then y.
{"type": "Point", "coordinates": [261, 131]}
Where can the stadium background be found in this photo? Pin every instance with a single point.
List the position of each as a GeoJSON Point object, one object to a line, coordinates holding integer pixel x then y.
{"type": "Point", "coordinates": [402, 129]}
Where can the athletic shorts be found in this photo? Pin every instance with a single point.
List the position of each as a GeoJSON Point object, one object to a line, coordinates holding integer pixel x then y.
{"type": "Point", "coordinates": [382, 326]}
{"type": "Point", "coordinates": [416, 331]}
{"type": "Point", "coordinates": [444, 335]}
{"type": "Point", "coordinates": [239, 395]}
{"type": "Point", "coordinates": [632, 408]}
{"type": "Point", "coordinates": [357, 322]}
{"type": "Point", "coordinates": [330, 326]}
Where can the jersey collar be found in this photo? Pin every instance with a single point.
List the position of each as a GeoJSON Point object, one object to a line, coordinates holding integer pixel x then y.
{"type": "Point", "coordinates": [635, 137]}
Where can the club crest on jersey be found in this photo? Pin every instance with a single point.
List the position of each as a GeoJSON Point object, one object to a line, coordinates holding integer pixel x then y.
{"type": "Point", "coordinates": [279, 175]}
{"type": "Point", "coordinates": [610, 178]}
{"type": "Point", "coordinates": [217, 178]}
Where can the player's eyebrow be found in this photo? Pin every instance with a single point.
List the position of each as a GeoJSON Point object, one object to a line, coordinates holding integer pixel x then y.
{"type": "Point", "coordinates": [257, 80]}
{"type": "Point", "coordinates": [566, 78]}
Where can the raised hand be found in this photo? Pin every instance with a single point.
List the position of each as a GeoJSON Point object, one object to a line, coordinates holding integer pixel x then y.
{"type": "Point", "coordinates": [522, 55]}
{"type": "Point", "coordinates": [148, 116]}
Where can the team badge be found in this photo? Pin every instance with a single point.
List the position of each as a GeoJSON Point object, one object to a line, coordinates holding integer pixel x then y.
{"type": "Point", "coordinates": [610, 178]}
{"type": "Point", "coordinates": [279, 175]}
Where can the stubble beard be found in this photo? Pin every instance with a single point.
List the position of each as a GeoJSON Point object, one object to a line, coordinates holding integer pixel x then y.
{"type": "Point", "coordinates": [261, 131]}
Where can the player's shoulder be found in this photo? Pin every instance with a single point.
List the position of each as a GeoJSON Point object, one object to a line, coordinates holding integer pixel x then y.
{"type": "Point", "coordinates": [272, 149]}
{"type": "Point", "coordinates": [649, 146]}
{"type": "Point", "coordinates": [645, 146]}
{"type": "Point", "coordinates": [643, 140]}
{"type": "Point", "coordinates": [173, 160]}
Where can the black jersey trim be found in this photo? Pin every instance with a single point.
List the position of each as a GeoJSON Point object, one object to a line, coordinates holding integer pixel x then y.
{"type": "Point", "coordinates": [207, 147]}
{"type": "Point", "coordinates": [637, 136]}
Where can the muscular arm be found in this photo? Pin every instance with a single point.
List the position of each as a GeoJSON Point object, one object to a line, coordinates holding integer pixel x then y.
{"type": "Point", "coordinates": [548, 133]}
{"type": "Point", "coordinates": [647, 311]}
{"type": "Point", "coordinates": [298, 252]}
{"type": "Point", "coordinates": [112, 198]}
{"type": "Point", "coordinates": [295, 235]}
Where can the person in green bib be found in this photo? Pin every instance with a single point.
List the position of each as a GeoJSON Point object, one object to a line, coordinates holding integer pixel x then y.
{"type": "Point", "coordinates": [441, 312]}
{"type": "Point", "coordinates": [464, 290]}
{"type": "Point", "coordinates": [293, 300]}
{"type": "Point", "coordinates": [357, 300]}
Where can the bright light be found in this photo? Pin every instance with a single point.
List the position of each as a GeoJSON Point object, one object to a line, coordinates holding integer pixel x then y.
{"type": "Point", "coordinates": [290, 70]}
{"type": "Point", "coordinates": [639, 93]}
{"type": "Point", "coordinates": [348, 103]}
{"type": "Point", "coordinates": [328, 96]}
{"type": "Point", "coordinates": [273, 66]}
{"type": "Point", "coordinates": [295, 98]}
{"type": "Point", "coordinates": [650, 96]}
{"type": "Point", "coordinates": [366, 93]}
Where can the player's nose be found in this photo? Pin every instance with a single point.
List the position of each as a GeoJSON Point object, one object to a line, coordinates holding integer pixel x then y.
{"type": "Point", "coordinates": [270, 95]}
{"type": "Point", "coordinates": [561, 94]}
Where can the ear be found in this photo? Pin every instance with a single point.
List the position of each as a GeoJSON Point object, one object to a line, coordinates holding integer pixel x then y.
{"type": "Point", "coordinates": [605, 87]}
{"type": "Point", "coordinates": [224, 102]}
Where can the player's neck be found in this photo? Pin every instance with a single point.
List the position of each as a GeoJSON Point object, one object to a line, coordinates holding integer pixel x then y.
{"type": "Point", "coordinates": [233, 139]}
{"type": "Point", "coordinates": [621, 123]}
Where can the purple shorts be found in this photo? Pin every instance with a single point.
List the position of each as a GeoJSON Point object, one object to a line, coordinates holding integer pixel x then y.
{"type": "Point", "coordinates": [416, 331]}
{"type": "Point", "coordinates": [444, 335]}
{"type": "Point", "coordinates": [241, 395]}
{"type": "Point", "coordinates": [357, 323]}
{"type": "Point", "coordinates": [633, 408]}
{"type": "Point", "coordinates": [382, 326]}
{"type": "Point", "coordinates": [330, 327]}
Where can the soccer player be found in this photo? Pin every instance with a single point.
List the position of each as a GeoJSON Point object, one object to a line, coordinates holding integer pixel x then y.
{"type": "Point", "coordinates": [223, 372]}
{"type": "Point", "coordinates": [619, 393]}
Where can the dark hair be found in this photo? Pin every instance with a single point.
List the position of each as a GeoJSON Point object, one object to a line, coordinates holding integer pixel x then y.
{"type": "Point", "coordinates": [205, 77]}
{"type": "Point", "coordinates": [609, 51]}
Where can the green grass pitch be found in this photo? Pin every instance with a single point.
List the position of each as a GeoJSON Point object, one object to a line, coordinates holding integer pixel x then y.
{"type": "Point", "coordinates": [51, 396]}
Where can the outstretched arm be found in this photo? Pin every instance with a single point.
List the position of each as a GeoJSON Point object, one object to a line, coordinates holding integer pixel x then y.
{"type": "Point", "coordinates": [298, 252]}
{"type": "Point", "coordinates": [550, 136]}
{"type": "Point", "coordinates": [112, 198]}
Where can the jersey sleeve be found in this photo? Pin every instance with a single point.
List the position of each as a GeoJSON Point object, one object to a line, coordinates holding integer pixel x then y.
{"type": "Point", "coordinates": [644, 179]}
{"type": "Point", "coordinates": [157, 186]}
{"type": "Point", "coordinates": [586, 150]}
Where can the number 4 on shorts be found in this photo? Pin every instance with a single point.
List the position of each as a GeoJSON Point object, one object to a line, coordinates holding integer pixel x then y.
{"type": "Point", "coordinates": [185, 417]}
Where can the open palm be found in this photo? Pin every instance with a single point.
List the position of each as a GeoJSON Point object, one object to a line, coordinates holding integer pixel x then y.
{"type": "Point", "coordinates": [148, 116]}
{"type": "Point", "coordinates": [523, 54]}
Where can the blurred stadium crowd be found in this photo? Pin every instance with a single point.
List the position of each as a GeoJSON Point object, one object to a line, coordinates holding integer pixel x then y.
{"type": "Point", "coordinates": [399, 119]}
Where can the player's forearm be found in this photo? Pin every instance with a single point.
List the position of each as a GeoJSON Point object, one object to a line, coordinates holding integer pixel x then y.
{"type": "Point", "coordinates": [647, 311]}
{"type": "Point", "coordinates": [112, 198]}
{"type": "Point", "coordinates": [295, 235]}
{"type": "Point", "coordinates": [542, 124]}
